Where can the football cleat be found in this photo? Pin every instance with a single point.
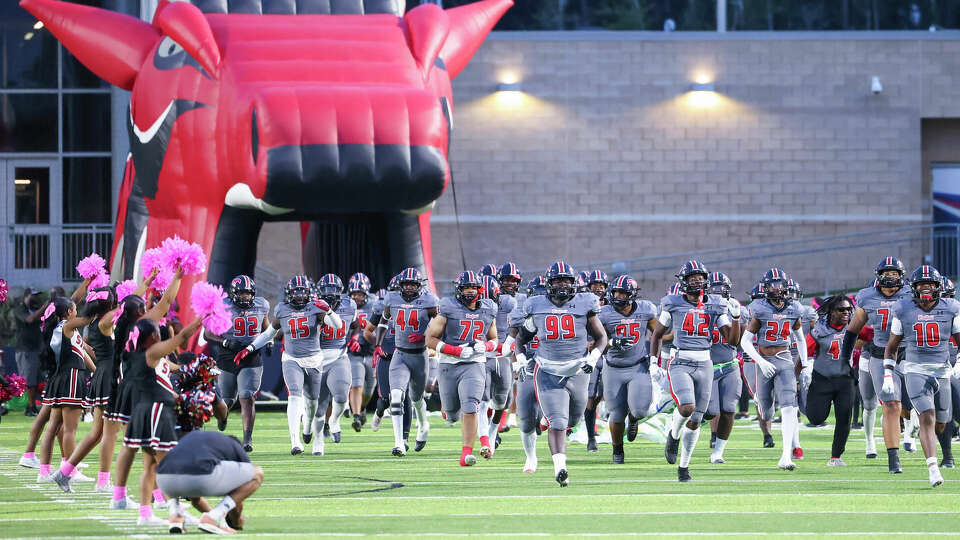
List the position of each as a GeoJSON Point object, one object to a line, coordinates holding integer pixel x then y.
{"type": "Point", "coordinates": [485, 452]}
{"type": "Point", "coordinates": [871, 455]}
{"type": "Point", "coordinates": [336, 435]}
{"type": "Point", "coordinates": [530, 466]}
{"type": "Point", "coordinates": [936, 478]}
{"type": "Point", "coordinates": [717, 459]}
{"type": "Point", "coordinates": [221, 424]}
{"type": "Point", "coordinates": [670, 449]}
{"type": "Point", "coordinates": [563, 478]}
{"type": "Point", "coordinates": [419, 445]}
{"type": "Point", "coordinates": [398, 452]}
{"type": "Point", "coordinates": [632, 426]}
{"type": "Point", "coordinates": [307, 437]}
{"type": "Point", "coordinates": [78, 476]}
{"type": "Point", "coordinates": [152, 521]}
{"type": "Point", "coordinates": [468, 460]}
{"type": "Point", "coordinates": [44, 478]}
{"type": "Point", "coordinates": [498, 440]}
{"type": "Point", "coordinates": [893, 464]}
{"type": "Point", "coordinates": [209, 525]}
{"type": "Point", "coordinates": [296, 450]}
{"type": "Point", "coordinates": [125, 503]}
{"type": "Point", "coordinates": [247, 447]}
{"type": "Point", "coordinates": [683, 474]}
{"type": "Point", "coordinates": [31, 462]}
{"type": "Point", "coordinates": [798, 453]}
{"type": "Point", "coordinates": [592, 445]}
{"type": "Point", "coordinates": [106, 488]}
{"type": "Point", "coordinates": [947, 463]}
{"type": "Point", "coordinates": [176, 525]}
{"type": "Point", "coordinates": [318, 446]}
{"type": "Point", "coordinates": [909, 447]}
{"type": "Point", "coordinates": [357, 423]}
{"type": "Point", "coordinates": [375, 423]}
{"type": "Point", "coordinates": [786, 464]}
{"type": "Point", "coordinates": [836, 462]}
{"type": "Point", "coordinates": [768, 441]}
{"type": "Point", "coordinates": [618, 459]}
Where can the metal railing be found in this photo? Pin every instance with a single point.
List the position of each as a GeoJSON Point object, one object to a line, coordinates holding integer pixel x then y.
{"type": "Point", "coordinates": [48, 254]}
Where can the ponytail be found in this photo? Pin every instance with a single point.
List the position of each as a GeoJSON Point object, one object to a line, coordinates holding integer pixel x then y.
{"type": "Point", "coordinates": [55, 313]}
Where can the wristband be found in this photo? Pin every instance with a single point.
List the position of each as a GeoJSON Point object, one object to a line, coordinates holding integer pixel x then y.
{"type": "Point", "coordinates": [889, 363]}
{"type": "Point", "coordinates": [451, 350]}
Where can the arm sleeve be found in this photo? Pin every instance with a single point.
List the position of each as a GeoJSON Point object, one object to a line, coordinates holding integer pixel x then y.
{"type": "Point", "coordinates": [265, 337]}
{"type": "Point", "coordinates": [812, 346]}
{"type": "Point", "coordinates": [801, 341]}
{"type": "Point", "coordinates": [723, 320]}
{"type": "Point", "coordinates": [846, 349]}
{"type": "Point", "coordinates": [866, 334]}
{"type": "Point", "coordinates": [333, 320]}
{"type": "Point", "coordinates": [746, 343]}
{"type": "Point", "coordinates": [529, 326]}
{"type": "Point", "coordinates": [665, 319]}
{"type": "Point", "coordinates": [896, 327]}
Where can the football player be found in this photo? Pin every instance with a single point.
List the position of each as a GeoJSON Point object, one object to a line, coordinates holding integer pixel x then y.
{"type": "Point", "coordinates": [249, 313]}
{"type": "Point", "coordinates": [487, 270]}
{"type": "Point", "coordinates": [693, 315]}
{"type": "Point", "coordinates": [336, 377]}
{"type": "Point", "coordinates": [359, 351]}
{"type": "Point", "coordinates": [528, 408]}
{"type": "Point", "coordinates": [750, 374]}
{"type": "Point", "coordinates": [925, 323]}
{"type": "Point", "coordinates": [627, 385]}
{"type": "Point", "coordinates": [300, 319]}
{"type": "Point", "coordinates": [946, 437]}
{"type": "Point", "coordinates": [510, 278]}
{"type": "Point", "coordinates": [381, 364]}
{"type": "Point", "coordinates": [596, 283]}
{"type": "Point", "coordinates": [775, 320]}
{"type": "Point", "coordinates": [461, 333]}
{"type": "Point", "coordinates": [410, 310]}
{"type": "Point", "coordinates": [561, 321]}
{"type": "Point", "coordinates": [726, 387]}
{"type": "Point", "coordinates": [874, 307]}
{"type": "Point", "coordinates": [499, 375]}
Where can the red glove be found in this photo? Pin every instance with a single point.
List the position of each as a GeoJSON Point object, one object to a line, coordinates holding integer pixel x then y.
{"type": "Point", "coordinates": [490, 346]}
{"type": "Point", "coordinates": [353, 345]}
{"type": "Point", "coordinates": [241, 355]}
{"type": "Point", "coordinates": [416, 338]}
{"type": "Point", "coordinates": [377, 355]}
{"type": "Point", "coordinates": [321, 305]}
{"type": "Point", "coordinates": [452, 350]}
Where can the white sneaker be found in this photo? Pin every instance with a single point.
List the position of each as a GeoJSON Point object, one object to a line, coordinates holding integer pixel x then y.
{"type": "Point", "coordinates": [103, 489]}
{"type": "Point", "coordinates": [530, 466]}
{"type": "Point", "coordinates": [374, 424]}
{"type": "Point", "coordinates": [716, 459]}
{"type": "Point", "coordinates": [512, 420]}
{"type": "Point", "coordinates": [470, 459]}
{"type": "Point", "coordinates": [124, 504]}
{"type": "Point", "coordinates": [161, 505]}
{"type": "Point", "coordinates": [423, 430]}
{"type": "Point", "coordinates": [786, 463]}
{"type": "Point", "coordinates": [30, 462]}
{"type": "Point", "coordinates": [152, 521]}
{"type": "Point", "coordinates": [836, 462]}
{"type": "Point", "coordinates": [190, 519]}
{"type": "Point", "coordinates": [78, 476]}
{"type": "Point", "coordinates": [44, 478]}
{"type": "Point", "coordinates": [935, 477]}
{"type": "Point", "coordinates": [318, 446]}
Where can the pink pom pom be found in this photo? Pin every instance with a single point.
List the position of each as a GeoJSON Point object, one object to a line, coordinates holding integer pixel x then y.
{"type": "Point", "coordinates": [3, 290]}
{"type": "Point", "coordinates": [163, 279]}
{"type": "Point", "coordinates": [91, 265]}
{"type": "Point", "coordinates": [207, 302]}
{"type": "Point", "coordinates": [102, 280]}
{"type": "Point", "coordinates": [151, 258]}
{"type": "Point", "coordinates": [125, 289]}
{"type": "Point", "coordinates": [190, 257]}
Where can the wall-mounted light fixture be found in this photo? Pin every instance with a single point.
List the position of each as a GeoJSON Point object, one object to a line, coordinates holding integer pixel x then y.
{"type": "Point", "coordinates": [509, 87]}
{"type": "Point", "coordinates": [21, 181]}
{"type": "Point", "coordinates": [703, 92]}
{"type": "Point", "coordinates": [703, 87]}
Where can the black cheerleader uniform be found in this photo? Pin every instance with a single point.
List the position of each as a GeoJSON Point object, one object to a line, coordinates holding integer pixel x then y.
{"type": "Point", "coordinates": [152, 423]}
{"type": "Point", "coordinates": [104, 381]}
{"type": "Point", "coordinates": [67, 385]}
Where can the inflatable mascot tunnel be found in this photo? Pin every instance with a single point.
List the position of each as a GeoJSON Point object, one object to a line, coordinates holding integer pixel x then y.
{"type": "Point", "coordinates": [333, 113]}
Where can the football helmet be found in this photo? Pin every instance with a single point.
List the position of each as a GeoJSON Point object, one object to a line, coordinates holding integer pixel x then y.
{"type": "Point", "coordinates": [243, 284]}
{"type": "Point", "coordinates": [468, 278]}
{"type": "Point", "coordinates": [600, 278]}
{"type": "Point", "coordinates": [949, 290]}
{"type": "Point", "coordinates": [411, 284]}
{"type": "Point", "coordinates": [794, 290]}
{"type": "Point", "coordinates": [359, 282]}
{"type": "Point", "coordinates": [394, 285]}
{"type": "Point", "coordinates": [674, 288]}
{"type": "Point", "coordinates": [537, 286]}
{"type": "Point", "coordinates": [298, 291]}
{"type": "Point", "coordinates": [490, 288]}
{"type": "Point", "coordinates": [927, 283]}
{"type": "Point", "coordinates": [330, 290]}
{"type": "Point", "coordinates": [691, 269]}
{"type": "Point", "coordinates": [720, 284]}
{"type": "Point", "coordinates": [509, 277]}
{"type": "Point", "coordinates": [561, 281]}
{"type": "Point", "coordinates": [488, 270]}
{"type": "Point", "coordinates": [890, 263]}
{"type": "Point", "coordinates": [775, 285]}
{"type": "Point", "coordinates": [756, 293]}
{"type": "Point", "coordinates": [623, 284]}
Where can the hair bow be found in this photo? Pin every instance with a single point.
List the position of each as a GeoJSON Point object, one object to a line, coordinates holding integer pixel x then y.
{"type": "Point", "coordinates": [51, 309]}
{"type": "Point", "coordinates": [101, 295]}
{"type": "Point", "coordinates": [132, 339]}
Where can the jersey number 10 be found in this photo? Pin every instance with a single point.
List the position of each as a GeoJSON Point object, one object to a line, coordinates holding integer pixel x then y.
{"type": "Point", "coordinates": [930, 331]}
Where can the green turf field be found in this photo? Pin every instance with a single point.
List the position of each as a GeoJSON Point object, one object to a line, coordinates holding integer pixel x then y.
{"type": "Point", "coordinates": [359, 489]}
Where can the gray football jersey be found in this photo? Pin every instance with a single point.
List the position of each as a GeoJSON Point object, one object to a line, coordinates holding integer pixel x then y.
{"type": "Point", "coordinates": [632, 326]}
{"type": "Point", "coordinates": [410, 317]}
{"type": "Point", "coordinates": [389, 342]}
{"type": "Point", "coordinates": [464, 325]}
{"type": "Point", "coordinates": [300, 327]}
{"type": "Point", "coordinates": [246, 322]}
{"type": "Point", "coordinates": [561, 330]}
{"type": "Point", "coordinates": [693, 327]}
{"type": "Point", "coordinates": [515, 318]}
{"type": "Point", "coordinates": [927, 335]}
{"type": "Point", "coordinates": [829, 339]}
{"type": "Point", "coordinates": [879, 308]}
{"type": "Point", "coordinates": [721, 352]}
{"type": "Point", "coordinates": [775, 324]}
{"type": "Point", "coordinates": [337, 339]}
{"type": "Point", "coordinates": [505, 307]}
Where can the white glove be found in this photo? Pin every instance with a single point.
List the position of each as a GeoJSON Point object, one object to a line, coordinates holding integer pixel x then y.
{"type": "Point", "coordinates": [806, 376]}
{"type": "Point", "coordinates": [520, 363]}
{"type": "Point", "coordinates": [768, 369]}
{"type": "Point", "coordinates": [888, 386]}
{"type": "Point", "coordinates": [480, 346]}
{"type": "Point", "coordinates": [733, 307]}
{"type": "Point", "coordinates": [466, 351]}
{"type": "Point", "coordinates": [655, 371]}
{"type": "Point", "coordinates": [590, 361]}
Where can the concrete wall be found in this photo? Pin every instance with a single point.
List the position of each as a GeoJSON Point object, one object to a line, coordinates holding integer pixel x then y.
{"type": "Point", "coordinates": [606, 156]}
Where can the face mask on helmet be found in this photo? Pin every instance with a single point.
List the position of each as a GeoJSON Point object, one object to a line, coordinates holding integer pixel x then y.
{"type": "Point", "coordinates": [410, 290]}
{"type": "Point", "coordinates": [722, 290]}
{"type": "Point", "coordinates": [621, 298]}
{"type": "Point", "coordinates": [562, 288]}
{"type": "Point", "coordinates": [299, 297]}
{"type": "Point", "coordinates": [330, 294]}
{"type": "Point", "coordinates": [694, 283]}
{"type": "Point", "coordinates": [926, 291]}
{"type": "Point", "coordinates": [468, 294]}
{"type": "Point", "coordinates": [776, 290]}
{"type": "Point", "coordinates": [890, 279]}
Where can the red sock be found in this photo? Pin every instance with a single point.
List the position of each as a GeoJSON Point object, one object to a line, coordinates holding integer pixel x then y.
{"type": "Point", "coordinates": [467, 450]}
{"type": "Point", "coordinates": [503, 421]}
{"type": "Point", "coordinates": [484, 441]}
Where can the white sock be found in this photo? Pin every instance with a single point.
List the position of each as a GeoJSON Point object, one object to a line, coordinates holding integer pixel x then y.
{"type": "Point", "coordinates": [719, 446]}
{"type": "Point", "coordinates": [494, 427]}
{"type": "Point", "coordinates": [788, 423]}
{"type": "Point", "coordinates": [559, 462]}
{"type": "Point", "coordinates": [529, 441]}
{"type": "Point", "coordinates": [308, 413]}
{"type": "Point", "coordinates": [294, 412]}
{"type": "Point", "coordinates": [336, 411]}
{"type": "Point", "coordinates": [396, 396]}
{"type": "Point", "coordinates": [914, 424]}
{"type": "Point", "coordinates": [688, 441]}
{"type": "Point", "coordinates": [869, 420]}
{"type": "Point", "coordinates": [318, 426]}
{"type": "Point", "coordinates": [423, 425]}
{"type": "Point", "coordinates": [932, 463]}
{"type": "Point", "coordinates": [483, 423]}
{"type": "Point", "coordinates": [220, 510]}
{"type": "Point", "coordinates": [796, 435]}
{"type": "Point", "coordinates": [677, 423]}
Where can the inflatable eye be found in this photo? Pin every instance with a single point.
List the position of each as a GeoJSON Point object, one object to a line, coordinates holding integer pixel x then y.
{"type": "Point", "coordinates": [169, 47]}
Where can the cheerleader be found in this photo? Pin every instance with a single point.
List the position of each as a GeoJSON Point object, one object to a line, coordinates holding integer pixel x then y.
{"type": "Point", "coordinates": [65, 392]}
{"type": "Point", "coordinates": [152, 424]}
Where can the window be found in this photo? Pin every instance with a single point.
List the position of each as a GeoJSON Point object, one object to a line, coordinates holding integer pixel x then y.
{"type": "Point", "coordinates": [86, 122]}
{"type": "Point", "coordinates": [28, 123]}
{"type": "Point", "coordinates": [86, 190]}
{"type": "Point", "coordinates": [32, 195]}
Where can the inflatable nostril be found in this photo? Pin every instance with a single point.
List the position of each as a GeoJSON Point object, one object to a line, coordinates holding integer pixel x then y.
{"type": "Point", "coordinates": [254, 135]}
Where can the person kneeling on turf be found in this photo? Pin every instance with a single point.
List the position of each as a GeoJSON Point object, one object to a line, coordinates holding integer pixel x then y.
{"type": "Point", "coordinates": [209, 464]}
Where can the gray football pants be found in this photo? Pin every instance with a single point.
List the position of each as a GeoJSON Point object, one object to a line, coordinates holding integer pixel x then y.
{"type": "Point", "coordinates": [334, 384]}
{"type": "Point", "coordinates": [726, 390]}
{"type": "Point", "coordinates": [627, 390]}
{"type": "Point", "coordinates": [528, 410]}
{"type": "Point", "coordinates": [361, 370]}
{"type": "Point", "coordinates": [562, 399]}
{"type": "Point", "coordinates": [782, 386]}
{"type": "Point", "coordinates": [461, 388]}
{"type": "Point", "coordinates": [303, 382]}
{"type": "Point", "coordinates": [409, 370]}
{"type": "Point", "coordinates": [690, 383]}
{"type": "Point", "coordinates": [499, 382]}
{"type": "Point", "coordinates": [930, 393]}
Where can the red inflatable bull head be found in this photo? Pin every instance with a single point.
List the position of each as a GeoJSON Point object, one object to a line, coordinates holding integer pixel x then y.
{"type": "Point", "coordinates": [334, 113]}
